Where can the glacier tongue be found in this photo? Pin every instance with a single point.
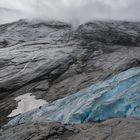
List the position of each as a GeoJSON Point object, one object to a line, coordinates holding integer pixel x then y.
{"type": "Point", "coordinates": [117, 97]}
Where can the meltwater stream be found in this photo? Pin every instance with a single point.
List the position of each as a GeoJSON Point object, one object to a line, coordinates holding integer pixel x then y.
{"type": "Point", "coordinates": [113, 98]}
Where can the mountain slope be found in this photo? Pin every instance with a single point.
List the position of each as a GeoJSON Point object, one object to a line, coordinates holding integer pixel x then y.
{"type": "Point", "coordinates": [51, 60]}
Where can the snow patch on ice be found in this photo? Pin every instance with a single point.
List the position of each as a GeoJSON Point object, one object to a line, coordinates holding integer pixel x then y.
{"type": "Point", "coordinates": [26, 103]}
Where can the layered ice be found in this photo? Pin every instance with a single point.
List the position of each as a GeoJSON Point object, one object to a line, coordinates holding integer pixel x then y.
{"type": "Point", "coordinates": [116, 97]}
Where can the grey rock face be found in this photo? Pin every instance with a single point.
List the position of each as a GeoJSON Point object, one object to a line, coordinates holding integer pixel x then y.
{"type": "Point", "coordinates": [52, 60]}
{"type": "Point", "coordinates": [115, 129]}
{"type": "Point", "coordinates": [121, 33]}
{"type": "Point", "coordinates": [32, 57]}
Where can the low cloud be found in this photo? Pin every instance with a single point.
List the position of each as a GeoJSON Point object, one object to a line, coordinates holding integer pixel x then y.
{"type": "Point", "coordinates": [75, 11]}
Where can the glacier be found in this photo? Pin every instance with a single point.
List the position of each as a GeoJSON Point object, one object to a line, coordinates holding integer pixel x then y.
{"type": "Point", "coordinates": [118, 96]}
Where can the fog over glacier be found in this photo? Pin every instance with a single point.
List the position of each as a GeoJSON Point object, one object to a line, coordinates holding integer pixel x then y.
{"type": "Point", "coordinates": [76, 11]}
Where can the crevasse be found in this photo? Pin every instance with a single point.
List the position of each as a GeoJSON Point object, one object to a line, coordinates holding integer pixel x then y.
{"type": "Point", "coordinates": [116, 97]}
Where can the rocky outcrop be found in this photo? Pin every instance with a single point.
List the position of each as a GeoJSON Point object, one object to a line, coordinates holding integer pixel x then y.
{"type": "Point", "coordinates": [52, 60]}
{"type": "Point", "coordinates": [119, 129]}
{"type": "Point", "coordinates": [120, 33]}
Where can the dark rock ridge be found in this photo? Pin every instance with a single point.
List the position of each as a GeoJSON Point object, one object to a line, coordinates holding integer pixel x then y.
{"type": "Point", "coordinates": [120, 33]}
{"type": "Point", "coordinates": [52, 60]}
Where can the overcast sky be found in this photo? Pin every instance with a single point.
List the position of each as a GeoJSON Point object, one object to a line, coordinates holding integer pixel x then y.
{"type": "Point", "coordinates": [77, 10]}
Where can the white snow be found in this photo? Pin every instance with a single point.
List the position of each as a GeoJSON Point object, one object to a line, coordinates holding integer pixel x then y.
{"type": "Point", "coordinates": [26, 103]}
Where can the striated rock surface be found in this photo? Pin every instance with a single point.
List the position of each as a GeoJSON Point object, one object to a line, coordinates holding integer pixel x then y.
{"type": "Point", "coordinates": [52, 60]}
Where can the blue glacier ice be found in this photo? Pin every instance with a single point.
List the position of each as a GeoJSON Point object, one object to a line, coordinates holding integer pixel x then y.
{"type": "Point", "coordinates": [116, 97]}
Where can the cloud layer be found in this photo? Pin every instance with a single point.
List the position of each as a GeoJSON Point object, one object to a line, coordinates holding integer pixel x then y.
{"type": "Point", "coordinates": [75, 10]}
